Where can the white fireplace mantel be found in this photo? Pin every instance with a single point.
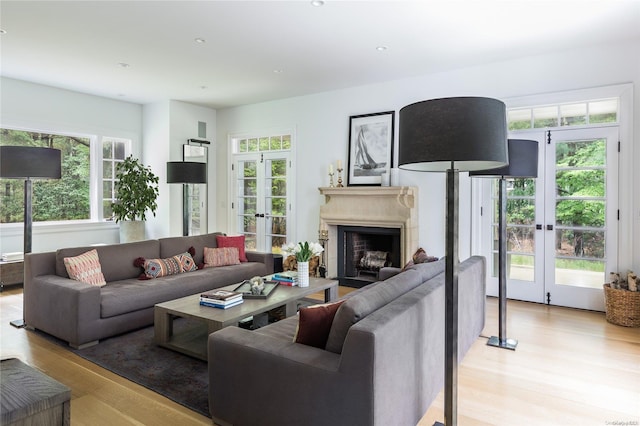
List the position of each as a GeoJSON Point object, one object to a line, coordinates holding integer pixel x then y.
{"type": "Point", "coordinates": [374, 206]}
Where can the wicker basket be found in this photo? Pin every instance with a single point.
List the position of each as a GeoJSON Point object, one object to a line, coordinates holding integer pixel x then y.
{"type": "Point", "coordinates": [622, 306]}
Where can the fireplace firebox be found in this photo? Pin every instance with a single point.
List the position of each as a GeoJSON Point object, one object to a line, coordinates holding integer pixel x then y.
{"type": "Point", "coordinates": [363, 250]}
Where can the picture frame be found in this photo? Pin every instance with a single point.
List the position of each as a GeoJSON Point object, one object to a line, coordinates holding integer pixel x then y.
{"type": "Point", "coordinates": [370, 148]}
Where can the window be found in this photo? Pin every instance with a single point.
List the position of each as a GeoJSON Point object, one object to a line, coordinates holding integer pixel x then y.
{"type": "Point", "coordinates": [564, 115]}
{"type": "Point", "coordinates": [114, 151]}
{"type": "Point", "coordinates": [69, 198]}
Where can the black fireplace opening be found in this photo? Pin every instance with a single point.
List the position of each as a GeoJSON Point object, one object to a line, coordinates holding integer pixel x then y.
{"type": "Point", "coordinates": [363, 251]}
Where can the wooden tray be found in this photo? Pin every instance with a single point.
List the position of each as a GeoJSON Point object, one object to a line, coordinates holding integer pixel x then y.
{"type": "Point", "coordinates": [245, 289]}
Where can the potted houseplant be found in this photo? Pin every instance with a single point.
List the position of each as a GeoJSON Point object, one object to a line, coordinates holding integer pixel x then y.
{"type": "Point", "coordinates": [136, 191]}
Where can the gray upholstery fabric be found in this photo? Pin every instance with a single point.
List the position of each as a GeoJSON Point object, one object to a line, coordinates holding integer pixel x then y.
{"type": "Point", "coordinates": [124, 296]}
{"type": "Point", "coordinates": [176, 245]}
{"type": "Point", "coordinates": [390, 370]}
{"type": "Point", "coordinates": [361, 305]}
{"type": "Point", "coordinates": [80, 313]}
{"type": "Point", "coordinates": [116, 260]}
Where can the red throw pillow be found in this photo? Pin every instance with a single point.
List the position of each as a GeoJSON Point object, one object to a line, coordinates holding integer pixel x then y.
{"type": "Point", "coordinates": [314, 324]}
{"type": "Point", "coordinates": [237, 242]}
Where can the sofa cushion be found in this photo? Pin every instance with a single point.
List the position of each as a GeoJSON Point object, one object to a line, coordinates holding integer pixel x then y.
{"type": "Point", "coordinates": [85, 268]}
{"type": "Point", "coordinates": [116, 260]}
{"type": "Point", "coordinates": [221, 256]}
{"type": "Point", "coordinates": [174, 245]}
{"type": "Point", "coordinates": [362, 304]}
{"type": "Point", "coordinates": [314, 324]}
{"type": "Point", "coordinates": [236, 241]}
{"type": "Point", "coordinates": [122, 297]}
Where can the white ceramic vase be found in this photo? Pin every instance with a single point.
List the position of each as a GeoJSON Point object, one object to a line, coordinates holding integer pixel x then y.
{"type": "Point", "coordinates": [303, 274]}
{"type": "Point", "coordinates": [131, 230]}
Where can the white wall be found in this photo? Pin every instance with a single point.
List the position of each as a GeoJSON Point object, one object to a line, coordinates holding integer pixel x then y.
{"type": "Point", "coordinates": [322, 120]}
{"type": "Point", "coordinates": [43, 108]}
{"type": "Point", "coordinates": [167, 126]}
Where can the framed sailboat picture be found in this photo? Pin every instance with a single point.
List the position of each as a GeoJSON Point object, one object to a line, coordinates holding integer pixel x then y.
{"type": "Point", "coordinates": [370, 148]}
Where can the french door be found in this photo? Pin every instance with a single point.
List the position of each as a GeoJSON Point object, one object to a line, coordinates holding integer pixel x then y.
{"type": "Point", "coordinates": [562, 228]}
{"type": "Point", "coordinates": [262, 202]}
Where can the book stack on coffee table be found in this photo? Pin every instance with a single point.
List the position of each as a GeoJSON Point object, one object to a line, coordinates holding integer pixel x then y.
{"type": "Point", "coordinates": [221, 299]}
{"type": "Point", "coordinates": [289, 278]}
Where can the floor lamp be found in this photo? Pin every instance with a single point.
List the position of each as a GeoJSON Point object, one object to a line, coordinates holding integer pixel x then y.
{"type": "Point", "coordinates": [451, 135]}
{"type": "Point", "coordinates": [523, 163]}
{"type": "Point", "coordinates": [186, 172]}
{"type": "Point", "coordinates": [29, 162]}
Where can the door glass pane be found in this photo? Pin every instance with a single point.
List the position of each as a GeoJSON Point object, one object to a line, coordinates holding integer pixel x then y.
{"type": "Point", "coordinates": [276, 202]}
{"type": "Point", "coordinates": [247, 200]}
{"type": "Point", "coordinates": [520, 228]}
{"type": "Point", "coordinates": [580, 213]}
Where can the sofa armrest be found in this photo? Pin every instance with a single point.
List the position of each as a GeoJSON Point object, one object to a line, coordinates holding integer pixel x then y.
{"type": "Point", "coordinates": [388, 272]}
{"type": "Point", "coordinates": [60, 306]}
{"type": "Point", "coordinates": [290, 379]}
{"type": "Point", "coordinates": [261, 257]}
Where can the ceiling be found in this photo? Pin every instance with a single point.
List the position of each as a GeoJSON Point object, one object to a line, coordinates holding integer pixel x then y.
{"type": "Point", "coordinates": [254, 51]}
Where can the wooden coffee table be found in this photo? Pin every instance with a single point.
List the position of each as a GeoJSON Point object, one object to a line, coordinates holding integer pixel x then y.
{"type": "Point", "coordinates": [194, 341]}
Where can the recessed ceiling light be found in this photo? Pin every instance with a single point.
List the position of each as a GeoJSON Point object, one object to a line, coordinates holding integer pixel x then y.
{"type": "Point", "coordinates": [3, 31]}
{"type": "Point", "coordinates": [381, 48]}
{"type": "Point", "coordinates": [317, 3]}
{"type": "Point", "coordinates": [278, 71]}
{"type": "Point", "coordinates": [203, 87]}
{"type": "Point", "coordinates": [199, 40]}
{"type": "Point", "coordinates": [123, 65]}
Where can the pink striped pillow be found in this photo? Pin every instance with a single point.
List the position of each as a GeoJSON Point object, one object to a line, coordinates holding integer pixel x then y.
{"type": "Point", "coordinates": [221, 256]}
{"type": "Point", "coordinates": [85, 268]}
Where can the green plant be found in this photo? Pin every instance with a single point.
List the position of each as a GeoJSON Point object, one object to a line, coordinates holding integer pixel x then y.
{"type": "Point", "coordinates": [303, 252]}
{"type": "Point", "coordinates": [136, 191]}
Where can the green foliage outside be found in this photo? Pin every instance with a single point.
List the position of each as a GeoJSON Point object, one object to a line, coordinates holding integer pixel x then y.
{"type": "Point", "coordinates": [53, 200]}
{"type": "Point", "coordinates": [580, 186]}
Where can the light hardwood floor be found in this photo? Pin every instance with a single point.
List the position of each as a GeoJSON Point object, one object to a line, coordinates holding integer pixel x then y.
{"type": "Point", "coordinates": [571, 367]}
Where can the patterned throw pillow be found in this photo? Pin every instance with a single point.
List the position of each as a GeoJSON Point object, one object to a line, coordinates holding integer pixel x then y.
{"type": "Point", "coordinates": [221, 256]}
{"type": "Point", "coordinates": [85, 268]}
{"type": "Point", "coordinates": [420, 256]}
{"type": "Point", "coordinates": [237, 242]}
{"type": "Point", "coordinates": [155, 268]}
{"type": "Point", "coordinates": [314, 324]}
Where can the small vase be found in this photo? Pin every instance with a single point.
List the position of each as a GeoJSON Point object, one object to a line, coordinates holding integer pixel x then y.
{"type": "Point", "coordinates": [303, 274]}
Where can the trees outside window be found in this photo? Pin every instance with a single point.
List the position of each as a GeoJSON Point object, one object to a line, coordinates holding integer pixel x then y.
{"type": "Point", "coordinates": [69, 198]}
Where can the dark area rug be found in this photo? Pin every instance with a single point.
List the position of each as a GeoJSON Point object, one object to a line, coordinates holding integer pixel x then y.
{"type": "Point", "coordinates": [135, 356]}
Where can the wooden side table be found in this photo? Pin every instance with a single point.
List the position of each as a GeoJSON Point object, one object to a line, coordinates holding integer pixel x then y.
{"type": "Point", "coordinates": [30, 397]}
{"type": "Point", "coordinates": [11, 273]}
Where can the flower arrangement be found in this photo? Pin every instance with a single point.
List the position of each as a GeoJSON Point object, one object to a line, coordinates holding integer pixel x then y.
{"type": "Point", "coordinates": [303, 251]}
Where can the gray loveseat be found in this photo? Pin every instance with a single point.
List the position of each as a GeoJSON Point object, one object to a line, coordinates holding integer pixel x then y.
{"type": "Point", "coordinates": [82, 314]}
{"type": "Point", "coordinates": [385, 365]}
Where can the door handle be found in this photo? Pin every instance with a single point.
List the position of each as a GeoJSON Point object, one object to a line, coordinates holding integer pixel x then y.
{"type": "Point", "coordinates": [259, 215]}
{"type": "Point", "coordinates": [549, 227]}
{"type": "Point", "coordinates": [538, 226]}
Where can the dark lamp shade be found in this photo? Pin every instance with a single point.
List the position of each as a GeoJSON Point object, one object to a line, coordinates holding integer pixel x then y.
{"type": "Point", "coordinates": [186, 172]}
{"type": "Point", "coordinates": [463, 133]}
{"type": "Point", "coordinates": [523, 161]}
{"type": "Point", "coordinates": [30, 162]}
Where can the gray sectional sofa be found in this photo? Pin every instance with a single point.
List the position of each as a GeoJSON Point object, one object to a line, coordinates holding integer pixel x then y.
{"type": "Point", "coordinates": [82, 314]}
{"type": "Point", "coordinates": [383, 363]}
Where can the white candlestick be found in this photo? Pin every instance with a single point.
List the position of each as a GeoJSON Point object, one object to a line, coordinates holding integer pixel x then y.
{"type": "Point", "coordinates": [339, 164]}
{"type": "Point", "coordinates": [330, 168]}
